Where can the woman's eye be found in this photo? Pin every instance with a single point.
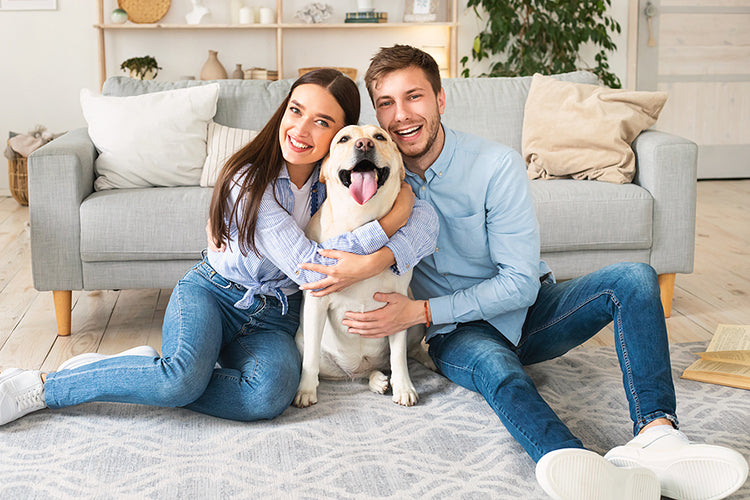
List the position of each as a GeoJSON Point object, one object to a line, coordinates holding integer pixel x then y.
{"type": "Point", "coordinates": [344, 138]}
{"type": "Point", "coordinates": [380, 137]}
{"type": "Point", "coordinates": [322, 123]}
{"type": "Point", "coordinates": [294, 109]}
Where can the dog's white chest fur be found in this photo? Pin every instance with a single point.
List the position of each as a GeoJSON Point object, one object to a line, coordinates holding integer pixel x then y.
{"type": "Point", "coordinates": [349, 355]}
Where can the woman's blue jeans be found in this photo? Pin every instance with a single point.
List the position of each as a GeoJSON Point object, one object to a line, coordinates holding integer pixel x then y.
{"type": "Point", "coordinates": [565, 315]}
{"type": "Point", "coordinates": [260, 363]}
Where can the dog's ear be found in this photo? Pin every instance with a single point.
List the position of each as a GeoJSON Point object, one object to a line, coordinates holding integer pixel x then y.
{"type": "Point", "coordinates": [322, 175]}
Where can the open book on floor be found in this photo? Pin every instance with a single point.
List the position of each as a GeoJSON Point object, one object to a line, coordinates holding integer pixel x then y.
{"type": "Point", "coordinates": [726, 360]}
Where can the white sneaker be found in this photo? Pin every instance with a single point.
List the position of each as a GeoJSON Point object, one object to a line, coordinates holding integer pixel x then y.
{"type": "Point", "coordinates": [90, 357]}
{"type": "Point", "coordinates": [686, 471]}
{"type": "Point", "coordinates": [577, 474]}
{"type": "Point", "coordinates": [21, 392]}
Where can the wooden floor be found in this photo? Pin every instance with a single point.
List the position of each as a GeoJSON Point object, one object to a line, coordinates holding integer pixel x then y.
{"type": "Point", "coordinates": [718, 291]}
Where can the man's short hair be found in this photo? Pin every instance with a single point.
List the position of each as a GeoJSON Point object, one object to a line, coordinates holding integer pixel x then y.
{"type": "Point", "coordinates": [390, 59]}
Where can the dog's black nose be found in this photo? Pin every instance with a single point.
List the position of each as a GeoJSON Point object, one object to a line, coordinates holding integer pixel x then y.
{"type": "Point", "coordinates": [364, 144]}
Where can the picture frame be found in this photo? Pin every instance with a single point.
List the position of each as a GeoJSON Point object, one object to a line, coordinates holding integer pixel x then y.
{"type": "Point", "coordinates": [28, 4]}
{"type": "Point", "coordinates": [420, 11]}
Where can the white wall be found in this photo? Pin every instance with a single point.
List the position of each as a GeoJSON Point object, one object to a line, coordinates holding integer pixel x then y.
{"type": "Point", "coordinates": [48, 56]}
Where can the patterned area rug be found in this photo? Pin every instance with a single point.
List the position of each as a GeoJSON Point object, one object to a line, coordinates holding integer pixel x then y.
{"type": "Point", "coordinates": [352, 445]}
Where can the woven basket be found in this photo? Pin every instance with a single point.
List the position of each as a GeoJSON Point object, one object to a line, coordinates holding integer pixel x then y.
{"type": "Point", "coordinates": [144, 11]}
{"type": "Point", "coordinates": [18, 180]}
{"type": "Point", "coordinates": [350, 72]}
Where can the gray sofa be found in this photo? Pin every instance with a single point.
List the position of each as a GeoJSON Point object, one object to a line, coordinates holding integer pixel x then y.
{"type": "Point", "coordinates": [148, 238]}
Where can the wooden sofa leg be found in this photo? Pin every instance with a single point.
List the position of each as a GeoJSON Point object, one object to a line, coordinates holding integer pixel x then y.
{"type": "Point", "coordinates": [666, 285]}
{"type": "Point", "coordinates": [63, 303]}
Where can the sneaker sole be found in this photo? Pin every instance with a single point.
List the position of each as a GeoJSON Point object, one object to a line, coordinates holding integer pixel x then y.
{"type": "Point", "coordinates": [706, 473]}
{"type": "Point", "coordinates": [91, 357]}
{"type": "Point", "coordinates": [584, 475]}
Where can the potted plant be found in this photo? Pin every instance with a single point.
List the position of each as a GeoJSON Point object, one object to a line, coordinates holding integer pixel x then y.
{"type": "Point", "coordinates": [141, 68]}
{"type": "Point", "coordinates": [543, 36]}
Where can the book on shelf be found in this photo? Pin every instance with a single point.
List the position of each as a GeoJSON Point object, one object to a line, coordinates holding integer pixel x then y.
{"type": "Point", "coordinates": [726, 360]}
{"type": "Point", "coordinates": [366, 17]}
{"type": "Point", "coordinates": [261, 74]}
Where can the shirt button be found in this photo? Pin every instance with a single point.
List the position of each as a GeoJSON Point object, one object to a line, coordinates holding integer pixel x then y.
{"type": "Point", "coordinates": [423, 188]}
{"type": "Point", "coordinates": [315, 190]}
{"type": "Point", "coordinates": [445, 274]}
{"type": "Point", "coordinates": [440, 173]}
{"type": "Point", "coordinates": [296, 273]}
{"type": "Point", "coordinates": [437, 249]}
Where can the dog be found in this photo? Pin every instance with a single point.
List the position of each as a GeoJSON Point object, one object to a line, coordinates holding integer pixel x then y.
{"type": "Point", "coordinates": [362, 173]}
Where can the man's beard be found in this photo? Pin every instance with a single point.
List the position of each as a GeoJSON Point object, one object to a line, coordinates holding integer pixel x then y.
{"type": "Point", "coordinates": [428, 146]}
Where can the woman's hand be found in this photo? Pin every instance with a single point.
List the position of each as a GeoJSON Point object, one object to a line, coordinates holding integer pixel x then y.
{"type": "Point", "coordinates": [399, 214]}
{"type": "Point", "coordinates": [349, 268]}
{"type": "Point", "coordinates": [210, 237]}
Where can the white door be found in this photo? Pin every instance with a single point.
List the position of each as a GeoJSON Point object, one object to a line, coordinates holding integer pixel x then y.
{"type": "Point", "coordinates": [699, 52]}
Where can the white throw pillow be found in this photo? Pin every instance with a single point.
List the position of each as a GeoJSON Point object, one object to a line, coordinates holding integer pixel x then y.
{"type": "Point", "coordinates": [222, 143]}
{"type": "Point", "coordinates": [156, 139]}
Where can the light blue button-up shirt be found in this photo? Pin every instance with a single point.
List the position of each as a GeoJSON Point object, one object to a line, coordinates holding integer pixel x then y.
{"type": "Point", "coordinates": [486, 262]}
{"type": "Point", "coordinates": [283, 245]}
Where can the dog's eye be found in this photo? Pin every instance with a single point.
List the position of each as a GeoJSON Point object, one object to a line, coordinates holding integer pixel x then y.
{"type": "Point", "coordinates": [380, 137]}
{"type": "Point", "coordinates": [344, 138]}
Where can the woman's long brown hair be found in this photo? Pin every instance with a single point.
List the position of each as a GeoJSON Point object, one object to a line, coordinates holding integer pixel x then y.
{"type": "Point", "coordinates": [260, 162]}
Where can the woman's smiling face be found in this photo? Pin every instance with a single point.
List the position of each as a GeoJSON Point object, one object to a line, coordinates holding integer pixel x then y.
{"type": "Point", "coordinates": [311, 119]}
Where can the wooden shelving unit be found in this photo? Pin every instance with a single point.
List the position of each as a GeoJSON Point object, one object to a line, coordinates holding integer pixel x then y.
{"type": "Point", "coordinates": [280, 27]}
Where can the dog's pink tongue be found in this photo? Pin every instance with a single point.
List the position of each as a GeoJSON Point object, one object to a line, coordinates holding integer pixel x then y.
{"type": "Point", "coordinates": [363, 186]}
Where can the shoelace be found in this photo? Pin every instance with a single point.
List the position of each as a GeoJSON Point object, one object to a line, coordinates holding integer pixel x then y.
{"type": "Point", "coordinates": [31, 398]}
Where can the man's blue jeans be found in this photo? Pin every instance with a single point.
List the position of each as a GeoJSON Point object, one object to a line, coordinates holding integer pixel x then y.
{"type": "Point", "coordinates": [255, 347]}
{"type": "Point", "coordinates": [565, 315]}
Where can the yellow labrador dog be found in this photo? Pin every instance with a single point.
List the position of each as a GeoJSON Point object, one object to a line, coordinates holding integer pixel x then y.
{"type": "Point", "coordinates": [363, 174]}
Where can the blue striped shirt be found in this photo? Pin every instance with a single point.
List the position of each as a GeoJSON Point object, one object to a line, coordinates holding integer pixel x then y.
{"type": "Point", "coordinates": [283, 245]}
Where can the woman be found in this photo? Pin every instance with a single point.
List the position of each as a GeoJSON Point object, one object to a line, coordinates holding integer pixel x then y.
{"type": "Point", "coordinates": [241, 306]}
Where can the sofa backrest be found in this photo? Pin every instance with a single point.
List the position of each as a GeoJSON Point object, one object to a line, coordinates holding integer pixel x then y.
{"type": "Point", "coordinates": [489, 107]}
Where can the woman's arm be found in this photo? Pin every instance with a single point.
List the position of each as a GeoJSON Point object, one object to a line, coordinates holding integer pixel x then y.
{"type": "Point", "coordinates": [280, 240]}
{"type": "Point", "coordinates": [403, 251]}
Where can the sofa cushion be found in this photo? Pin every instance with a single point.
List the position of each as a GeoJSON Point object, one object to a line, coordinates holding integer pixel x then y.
{"type": "Point", "coordinates": [244, 104]}
{"type": "Point", "coordinates": [144, 224]}
{"type": "Point", "coordinates": [489, 107]}
{"type": "Point", "coordinates": [588, 215]}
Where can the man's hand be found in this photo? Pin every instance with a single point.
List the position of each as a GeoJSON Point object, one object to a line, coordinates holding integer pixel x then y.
{"type": "Point", "coordinates": [210, 237]}
{"type": "Point", "coordinates": [348, 269]}
{"type": "Point", "coordinates": [399, 313]}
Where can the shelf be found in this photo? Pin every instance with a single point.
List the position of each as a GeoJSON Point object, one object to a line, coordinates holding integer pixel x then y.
{"type": "Point", "coordinates": [280, 28]}
{"type": "Point", "coordinates": [268, 26]}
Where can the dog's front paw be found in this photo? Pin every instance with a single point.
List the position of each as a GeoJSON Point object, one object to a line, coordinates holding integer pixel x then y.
{"type": "Point", "coordinates": [303, 399]}
{"type": "Point", "coordinates": [404, 394]}
{"type": "Point", "coordinates": [378, 382]}
{"type": "Point", "coordinates": [307, 393]}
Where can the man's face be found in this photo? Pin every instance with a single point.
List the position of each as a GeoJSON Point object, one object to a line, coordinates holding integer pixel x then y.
{"type": "Point", "coordinates": [408, 109]}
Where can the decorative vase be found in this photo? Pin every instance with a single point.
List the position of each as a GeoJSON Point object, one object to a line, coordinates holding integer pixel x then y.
{"type": "Point", "coordinates": [119, 16]}
{"type": "Point", "coordinates": [213, 69]}
{"type": "Point", "coordinates": [238, 74]}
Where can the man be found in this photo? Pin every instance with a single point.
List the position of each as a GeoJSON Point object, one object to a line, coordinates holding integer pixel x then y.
{"type": "Point", "coordinates": [492, 306]}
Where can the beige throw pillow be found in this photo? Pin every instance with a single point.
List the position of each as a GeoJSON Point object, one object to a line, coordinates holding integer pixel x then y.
{"type": "Point", "coordinates": [221, 144]}
{"type": "Point", "coordinates": [582, 131]}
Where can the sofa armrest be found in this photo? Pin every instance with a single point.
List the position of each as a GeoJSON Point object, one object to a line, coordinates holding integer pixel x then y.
{"type": "Point", "coordinates": [61, 176]}
{"type": "Point", "coordinates": [667, 168]}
